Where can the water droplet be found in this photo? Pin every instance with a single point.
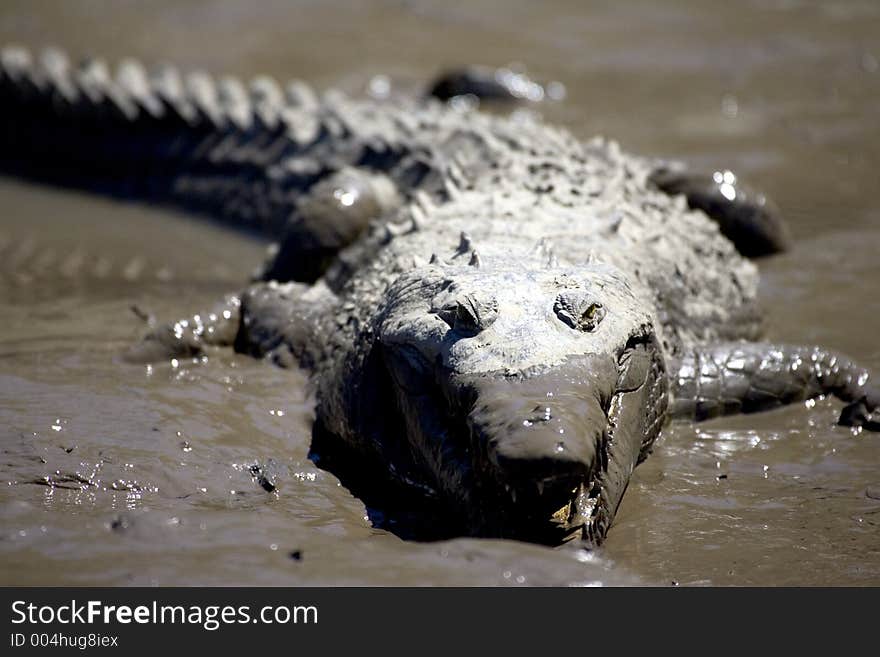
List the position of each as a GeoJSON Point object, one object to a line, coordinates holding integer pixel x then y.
{"type": "Point", "coordinates": [380, 86]}
{"type": "Point", "coordinates": [346, 197]}
{"type": "Point", "coordinates": [729, 106]}
{"type": "Point", "coordinates": [556, 90]}
{"type": "Point", "coordinates": [560, 447]}
{"type": "Point", "coordinates": [584, 556]}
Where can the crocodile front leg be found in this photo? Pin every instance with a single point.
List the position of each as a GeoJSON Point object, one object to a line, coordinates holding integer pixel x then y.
{"type": "Point", "coordinates": [187, 337]}
{"type": "Point", "coordinates": [329, 218]}
{"type": "Point", "coordinates": [274, 320]}
{"type": "Point", "coordinates": [742, 377]}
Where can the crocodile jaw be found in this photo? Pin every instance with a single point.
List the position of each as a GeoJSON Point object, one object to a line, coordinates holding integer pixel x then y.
{"type": "Point", "coordinates": [543, 456]}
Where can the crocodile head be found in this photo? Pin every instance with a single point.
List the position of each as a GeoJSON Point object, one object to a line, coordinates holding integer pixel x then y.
{"type": "Point", "coordinates": [527, 395]}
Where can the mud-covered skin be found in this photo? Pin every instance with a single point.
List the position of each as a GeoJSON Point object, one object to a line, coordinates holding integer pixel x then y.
{"type": "Point", "coordinates": [504, 312]}
{"type": "Point", "coordinates": [746, 217]}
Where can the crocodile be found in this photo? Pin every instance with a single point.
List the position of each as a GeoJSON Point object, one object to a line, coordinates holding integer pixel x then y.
{"type": "Point", "coordinates": [498, 318]}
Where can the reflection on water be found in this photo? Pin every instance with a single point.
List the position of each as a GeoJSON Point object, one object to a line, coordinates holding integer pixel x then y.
{"type": "Point", "coordinates": [129, 474]}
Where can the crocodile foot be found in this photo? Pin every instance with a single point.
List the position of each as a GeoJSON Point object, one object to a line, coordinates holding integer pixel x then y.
{"type": "Point", "coordinates": [858, 414]}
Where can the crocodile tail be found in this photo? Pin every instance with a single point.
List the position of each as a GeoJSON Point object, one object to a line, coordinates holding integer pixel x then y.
{"type": "Point", "coordinates": [211, 145]}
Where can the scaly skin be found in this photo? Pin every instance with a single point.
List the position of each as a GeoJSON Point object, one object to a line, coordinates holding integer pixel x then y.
{"type": "Point", "coordinates": [498, 312]}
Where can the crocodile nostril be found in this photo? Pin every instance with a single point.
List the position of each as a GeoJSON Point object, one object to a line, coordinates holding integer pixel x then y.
{"type": "Point", "coordinates": [469, 314]}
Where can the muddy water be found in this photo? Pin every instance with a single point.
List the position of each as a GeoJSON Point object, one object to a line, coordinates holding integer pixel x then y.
{"type": "Point", "coordinates": [150, 466]}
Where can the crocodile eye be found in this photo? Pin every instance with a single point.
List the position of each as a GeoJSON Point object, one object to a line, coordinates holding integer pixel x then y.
{"type": "Point", "coordinates": [579, 311]}
{"type": "Point", "coordinates": [591, 317]}
{"type": "Point", "coordinates": [468, 314]}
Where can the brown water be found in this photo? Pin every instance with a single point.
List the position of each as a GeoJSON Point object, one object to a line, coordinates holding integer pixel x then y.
{"type": "Point", "coordinates": [151, 466]}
